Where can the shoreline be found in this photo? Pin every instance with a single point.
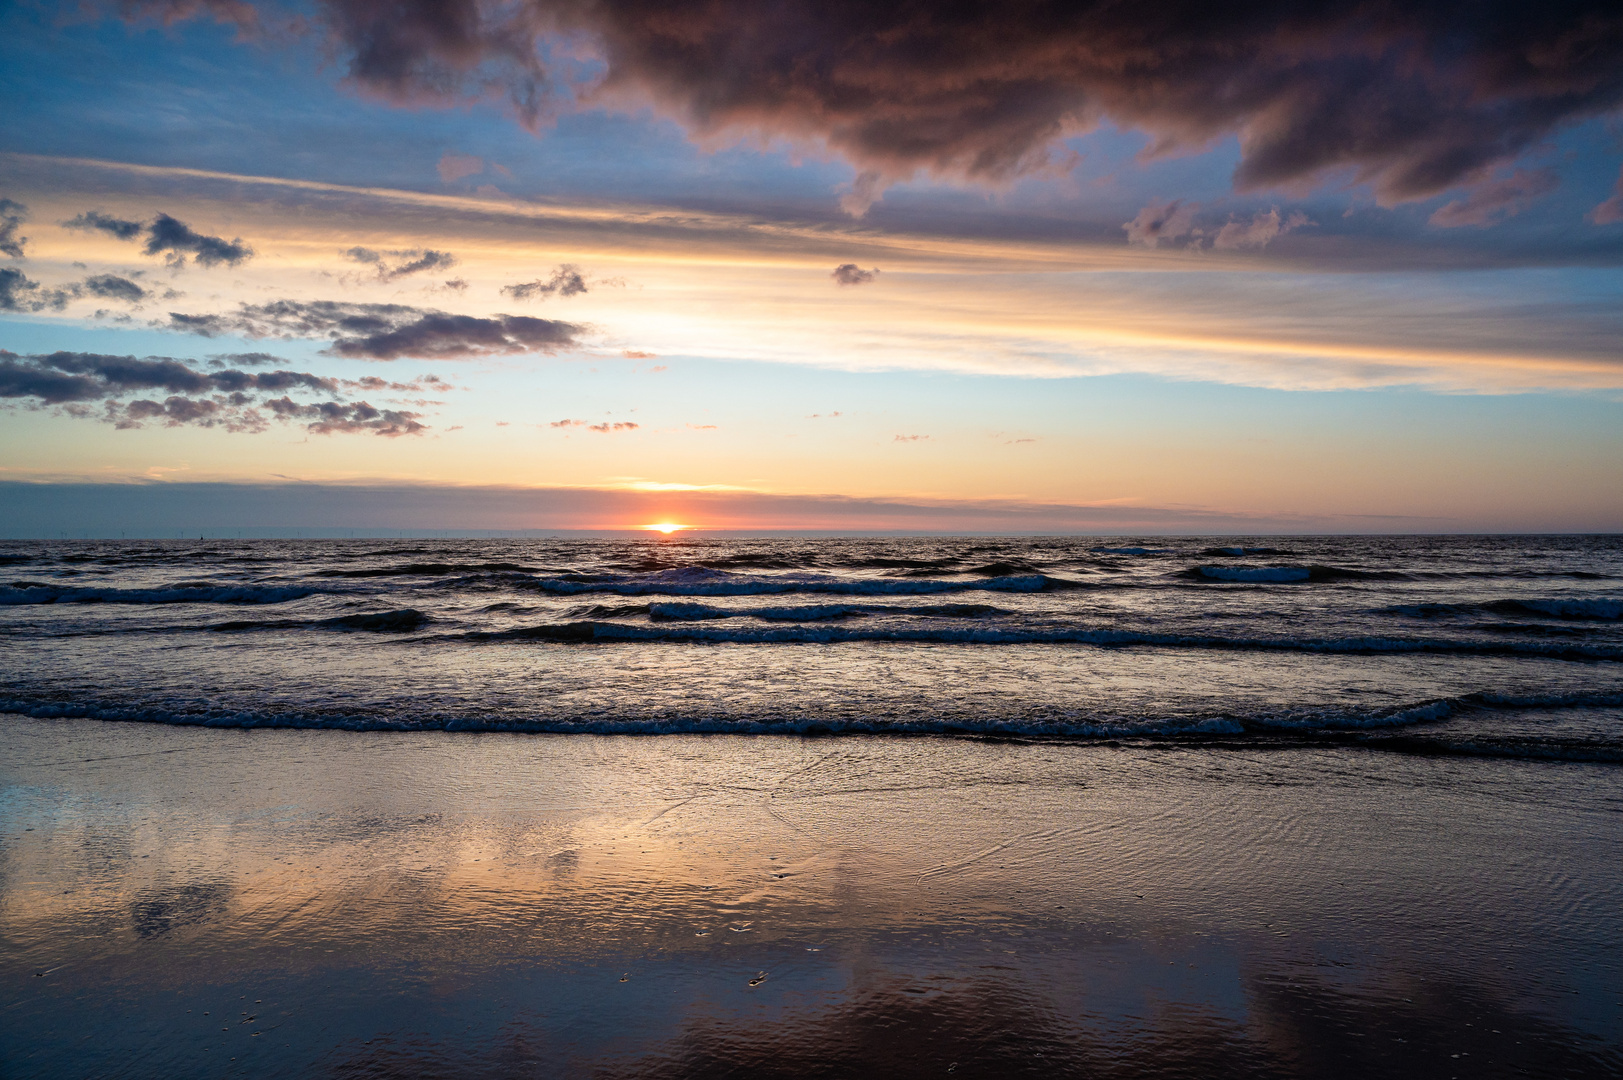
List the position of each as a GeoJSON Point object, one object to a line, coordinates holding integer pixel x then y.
{"type": "Point", "coordinates": [422, 904]}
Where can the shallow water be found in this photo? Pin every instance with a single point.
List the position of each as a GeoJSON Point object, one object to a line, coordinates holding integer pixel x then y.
{"type": "Point", "coordinates": [183, 902]}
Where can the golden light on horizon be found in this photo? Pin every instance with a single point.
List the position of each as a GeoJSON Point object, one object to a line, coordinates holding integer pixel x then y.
{"type": "Point", "coordinates": [666, 527]}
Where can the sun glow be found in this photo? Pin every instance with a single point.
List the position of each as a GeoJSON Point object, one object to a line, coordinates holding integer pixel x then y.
{"type": "Point", "coordinates": [666, 527]}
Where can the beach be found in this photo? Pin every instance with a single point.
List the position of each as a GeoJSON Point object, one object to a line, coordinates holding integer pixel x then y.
{"type": "Point", "coordinates": [200, 902]}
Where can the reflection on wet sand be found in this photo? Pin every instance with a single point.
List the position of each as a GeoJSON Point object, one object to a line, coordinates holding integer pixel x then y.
{"type": "Point", "coordinates": [183, 902]}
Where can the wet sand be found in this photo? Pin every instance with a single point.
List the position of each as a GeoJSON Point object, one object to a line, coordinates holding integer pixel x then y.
{"type": "Point", "coordinates": [185, 902]}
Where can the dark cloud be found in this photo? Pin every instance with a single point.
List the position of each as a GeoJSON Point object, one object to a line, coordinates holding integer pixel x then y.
{"type": "Point", "coordinates": [19, 292]}
{"type": "Point", "coordinates": [15, 288]}
{"type": "Point", "coordinates": [416, 260]}
{"type": "Point", "coordinates": [107, 376]}
{"type": "Point", "coordinates": [179, 239]}
{"type": "Point", "coordinates": [112, 287]}
{"type": "Point", "coordinates": [333, 417]}
{"type": "Point", "coordinates": [19, 379]}
{"type": "Point", "coordinates": [436, 52]}
{"type": "Point", "coordinates": [566, 280]}
{"type": "Point", "coordinates": [95, 219]}
{"type": "Point", "coordinates": [177, 411]}
{"type": "Point", "coordinates": [204, 325]}
{"type": "Point", "coordinates": [12, 215]}
{"type": "Point", "coordinates": [389, 331]}
{"type": "Point", "coordinates": [214, 398]}
{"type": "Point", "coordinates": [1413, 98]}
{"type": "Point", "coordinates": [167, 234]}
{"type": "Point", "coordinates": [852, 274]}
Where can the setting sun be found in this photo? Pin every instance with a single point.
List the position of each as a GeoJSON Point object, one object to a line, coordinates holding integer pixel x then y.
{"type": "Point", "coordinates": [666, 527]}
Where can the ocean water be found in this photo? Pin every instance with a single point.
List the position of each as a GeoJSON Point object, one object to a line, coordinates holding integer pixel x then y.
{"type": "Point", "coordinates": [1153, 807]}
{"type": "Point", "coordinates": [1499, 646]}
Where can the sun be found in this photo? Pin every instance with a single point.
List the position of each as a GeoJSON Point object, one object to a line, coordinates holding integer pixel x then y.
{"type": "Point", "coordinates": [666, 527]}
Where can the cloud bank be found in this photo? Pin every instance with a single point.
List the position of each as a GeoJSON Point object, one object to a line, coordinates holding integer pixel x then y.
{"type": "Point", "coordinates": [46, 509]}
{"type": "Point", "coordinates": [1411, 98]}
{"type": "Point", "coordinates": [228, 398]}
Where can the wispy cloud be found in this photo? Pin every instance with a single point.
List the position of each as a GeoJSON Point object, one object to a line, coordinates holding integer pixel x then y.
{"type": "Point", "coordinates": [605, 428]}
{"type": "Point", "coordinates": [567, 280]}
{"type": "Point", "coordinates": [401, 262]}
{"type": "Point", "coordinates": [1493, 201]}
{"type": "Point", "coordinates": [1157, 222]}
{"type": "Point", "coordinates": [454, 167]}
{"type": "Point", "coordinates": [1262, 230]}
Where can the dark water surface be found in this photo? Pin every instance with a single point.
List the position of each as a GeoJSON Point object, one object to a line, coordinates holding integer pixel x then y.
{"type": "Point", "coordinates": [1506, 646]}
{"type": "Point", "coordinates": [916, 807]}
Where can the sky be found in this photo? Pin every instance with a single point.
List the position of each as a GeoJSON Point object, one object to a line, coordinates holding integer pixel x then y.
{"type": "Point", "coordinates": [1019, 267]}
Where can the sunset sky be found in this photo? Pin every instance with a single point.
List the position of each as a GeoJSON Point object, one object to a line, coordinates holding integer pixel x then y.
{"type": "Point", "coordinates": [1246, 267]}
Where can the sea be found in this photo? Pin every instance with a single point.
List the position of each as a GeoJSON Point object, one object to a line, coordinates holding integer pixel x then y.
{"type": "Point", "coordinates": [1496, 646]}
{"type": "Point", "coordinates": [700, 807]}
